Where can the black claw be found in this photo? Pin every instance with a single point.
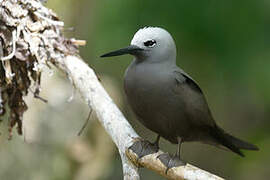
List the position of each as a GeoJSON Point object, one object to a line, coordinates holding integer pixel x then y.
{"type": "Point", "coordinates": [170, 161]}
{"type": "Point", "coordinates": [143, 148]}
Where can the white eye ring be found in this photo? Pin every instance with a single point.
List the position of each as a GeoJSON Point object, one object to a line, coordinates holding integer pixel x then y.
{"type": "Point", "coordinates": [150, 43]}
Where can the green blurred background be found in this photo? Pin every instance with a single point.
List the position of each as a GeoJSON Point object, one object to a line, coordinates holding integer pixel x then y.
{"type": "Point", "coordinates": [223, 45]}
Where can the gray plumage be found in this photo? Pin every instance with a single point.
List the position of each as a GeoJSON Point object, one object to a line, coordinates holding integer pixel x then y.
{"type": "Point", "coordinates": [164, 98]}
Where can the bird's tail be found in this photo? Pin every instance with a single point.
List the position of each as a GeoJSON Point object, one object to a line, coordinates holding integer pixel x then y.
{"type": "Point", "coordinates": [233, 143]}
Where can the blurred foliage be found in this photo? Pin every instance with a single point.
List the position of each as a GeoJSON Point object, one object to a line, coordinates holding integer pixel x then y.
{"type": "Point", "coordinates": [223, 45]}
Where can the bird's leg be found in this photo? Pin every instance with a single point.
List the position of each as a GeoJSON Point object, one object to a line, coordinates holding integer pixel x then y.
{"type": "Point", "coordinates": [144, 147]}
{"type": "Point", "coordinates": [156, 143]}
{"type": "Point", "coordinates": [179, 140]}
{"type": "Point", "coordinates": [172, 161]}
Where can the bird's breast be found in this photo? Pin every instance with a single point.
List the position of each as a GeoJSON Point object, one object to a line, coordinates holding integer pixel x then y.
{"type": "Point", "coordinates": [144, 82]}
{"type": "Point", "coordinates": [147, 89]}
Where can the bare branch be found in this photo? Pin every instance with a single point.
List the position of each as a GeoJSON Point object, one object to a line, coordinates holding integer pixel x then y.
{"type": "Point", "coordinates": [86, 122]}
{"type": "Point", "coordinates": [107, 112]}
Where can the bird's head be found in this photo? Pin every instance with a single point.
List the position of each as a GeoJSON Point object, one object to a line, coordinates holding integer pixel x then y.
{"type": "Point", "coordinates": [149, 43]}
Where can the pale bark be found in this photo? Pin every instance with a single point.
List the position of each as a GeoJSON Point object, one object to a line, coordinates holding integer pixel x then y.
{"type": "Point", "coordinates": [107, 112]}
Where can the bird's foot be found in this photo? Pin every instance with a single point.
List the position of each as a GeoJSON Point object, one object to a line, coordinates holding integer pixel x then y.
{"type": "Point", "coordinates": [143, 147]}
{"type": "Point", "coordinates": [170, 161]}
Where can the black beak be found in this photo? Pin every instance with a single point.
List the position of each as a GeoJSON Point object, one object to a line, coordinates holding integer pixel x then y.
{"type": "Point", "coordinates": [132, 49]}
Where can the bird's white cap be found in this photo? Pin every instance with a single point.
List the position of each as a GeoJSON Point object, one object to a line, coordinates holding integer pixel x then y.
{"type": "Point", "coordinates": [157, 43]}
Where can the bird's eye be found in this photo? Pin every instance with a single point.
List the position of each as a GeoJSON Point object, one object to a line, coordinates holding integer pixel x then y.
{"type": "Point", "coordinates": [150, 43]}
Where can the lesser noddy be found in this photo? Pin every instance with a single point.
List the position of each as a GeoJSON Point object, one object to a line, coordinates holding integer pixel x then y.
{"type": "Point", "coordinates": [167, 100]}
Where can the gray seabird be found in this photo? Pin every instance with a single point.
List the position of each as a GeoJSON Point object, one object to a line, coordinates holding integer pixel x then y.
{"type": "Point", "coordinates": [167, 100]}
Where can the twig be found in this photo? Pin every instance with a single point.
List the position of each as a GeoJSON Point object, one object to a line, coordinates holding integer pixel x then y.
{"type": "Point", "coordinates": [38, 96]}
{"type": "Point", "coordinates": [86, 122]}
{"type": "Point", "coordinates": [56, 23]}
{"type": "Point", "coordinates": [78, 42]}
{"type": "Point", "coordinates": [11, 55]}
